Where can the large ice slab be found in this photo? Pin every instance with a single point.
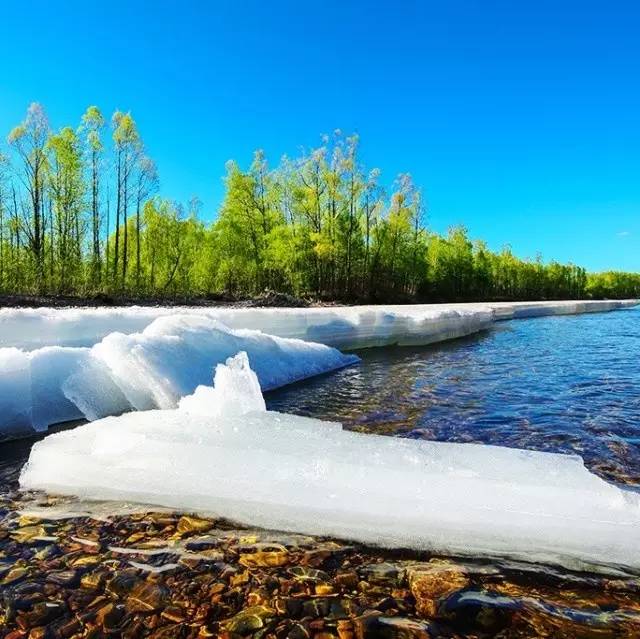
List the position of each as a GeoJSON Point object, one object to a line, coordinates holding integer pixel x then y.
{"type": "Point", "coordinates": [222, 453]}
{"type": "Point", "coordinates": [150, 369]}
{"type": "Point", "coordinates": [347, 327]}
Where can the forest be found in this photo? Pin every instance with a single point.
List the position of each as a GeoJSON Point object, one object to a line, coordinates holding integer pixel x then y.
{"type": "Point", "coordinates": [81, 214]}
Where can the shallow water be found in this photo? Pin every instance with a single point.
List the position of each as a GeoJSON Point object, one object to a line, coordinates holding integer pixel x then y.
{"type": "Point", "coordinates": [563, 384]}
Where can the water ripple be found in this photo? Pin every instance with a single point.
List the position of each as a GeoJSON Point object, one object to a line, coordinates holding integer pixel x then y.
{"type": "Point", "coordinates": [563, 384]}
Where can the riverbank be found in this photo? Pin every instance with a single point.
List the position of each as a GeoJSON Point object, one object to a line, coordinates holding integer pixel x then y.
{"type": "Point", "coordinates": [269, 298]}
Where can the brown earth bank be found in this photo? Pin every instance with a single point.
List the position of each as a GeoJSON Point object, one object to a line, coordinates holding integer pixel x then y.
{"type": "Point", "coordinates": [269, 299]}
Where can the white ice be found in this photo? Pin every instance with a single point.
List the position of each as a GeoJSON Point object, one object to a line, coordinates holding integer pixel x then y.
{"type": "Point", "coordinates": [222, 453]}
{"type": "Point", "coordinates": [142, 371]}
{"type": "Point", "coordinates": [342, 327]}
{"type": "Point", "coordinates": [64, 364]}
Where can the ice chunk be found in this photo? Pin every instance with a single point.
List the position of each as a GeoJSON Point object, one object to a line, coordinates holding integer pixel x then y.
{"type": "Point", "coordinates": [236, 391]}
{"type": "Point", "coordinates": [50, 368]}
{"type": "Point", "coordinates": [147, 370]}
{"type": "Point", "coordinates": [173, 355]}
{"type": "Point", "coordinates": [15, 397]}
{"type": "Point", "coordinates": [31, 328]}
{"type": "Point", "coordinates": [93, 391]}
{"type": "Point", "coordinates": [299, 474]}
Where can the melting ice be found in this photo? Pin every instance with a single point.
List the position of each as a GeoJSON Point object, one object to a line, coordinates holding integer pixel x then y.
{"type": "Point", "coordinates": [142, 371]}
{"type": "Point", "coordinates": [221, 452]}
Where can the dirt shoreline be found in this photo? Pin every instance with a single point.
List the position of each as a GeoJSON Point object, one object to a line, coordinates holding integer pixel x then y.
{"type": "Point", "coordinates": [99, 301]}
{"type": "Point", "coordinates": [268, 299]}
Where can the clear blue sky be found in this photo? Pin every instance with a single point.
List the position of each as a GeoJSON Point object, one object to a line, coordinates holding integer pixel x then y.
{"type": "Point", "coordinates": [519, 119]}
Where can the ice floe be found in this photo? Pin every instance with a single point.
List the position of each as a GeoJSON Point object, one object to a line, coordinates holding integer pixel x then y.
{"type": "Point", "coordinates": [150, 369]}
{"type": "Point", "coordinates": [222, 453]}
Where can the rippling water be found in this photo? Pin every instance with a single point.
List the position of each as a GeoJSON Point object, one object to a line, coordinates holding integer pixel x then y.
{"type": "Point", "coordinates": [563, 384]}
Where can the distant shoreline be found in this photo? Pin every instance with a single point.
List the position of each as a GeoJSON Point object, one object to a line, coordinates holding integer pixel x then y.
{"type": "Point", "coordinates": [266, 300]}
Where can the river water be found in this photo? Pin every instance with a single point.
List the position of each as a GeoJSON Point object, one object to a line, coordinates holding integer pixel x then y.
{"type": "Point", "coordinates": [562, 384]}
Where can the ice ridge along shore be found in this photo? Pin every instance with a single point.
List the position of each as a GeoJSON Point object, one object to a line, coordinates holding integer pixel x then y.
{"type": "Point", "coordinates": [222, 453]}
{"type": "Point", "coordinates": [348, 327]}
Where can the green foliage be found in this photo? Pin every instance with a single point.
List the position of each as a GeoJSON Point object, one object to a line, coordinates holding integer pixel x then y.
{"type": "Point", "coordinates": [78, 216]}
{"type": "Point", "coordinates": [613, 284]}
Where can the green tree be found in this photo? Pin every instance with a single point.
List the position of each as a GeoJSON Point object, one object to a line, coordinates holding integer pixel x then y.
{"type": "Point", "coordinates": [128, 147]}
{"type": "Point", "coordinates": [29, 139]}
{"type": "Point", "coordinates": [67, 190]}
{"type": "Point", "coordinates": [91, 128]}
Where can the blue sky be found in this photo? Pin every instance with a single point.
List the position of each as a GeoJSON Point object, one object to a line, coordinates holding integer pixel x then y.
{"type": "Point", "coordinates": [519, 119]}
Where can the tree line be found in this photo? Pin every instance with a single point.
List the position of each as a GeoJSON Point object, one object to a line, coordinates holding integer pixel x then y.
{"type": "Point", "coordinates": [80, 214]}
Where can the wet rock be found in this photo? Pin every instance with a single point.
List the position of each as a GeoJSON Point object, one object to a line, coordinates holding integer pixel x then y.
{"type": "Point", "coordinates": [29, 534]}
{"type": "Point", "coordinates": [122, 584]}
{"type": "Point", "coordinates": [374, 625]}
{"type": "Point", "coordinates": [41, 614]}
{"type": "Point", "coordinates": [316, 607]}
{"type": "Point", "coordinates": [298, 631]}
{"type": "Point", "coordinates": [261, 558]}
{"type": "Point", "coordinates": [63, 577]}
{"type": "Point", "coordinates": [69, 628]}
{"type": "Point", "coordinates": [115, 619]}
{"type": "Point", "coordinates": [347, 580]}
{"type": "Point", "coordinates": [432, 582]}
{"type": "Point", "coordinates": [304, 573]}
{"type": "Point", "coordinates": [174, 614]}
{"type": "Point", "coordinates": [46, 553]}
{"type": "Point", "coordinates": [25, 521]}
{"type": "Point", "coordinates": [188, 525]}
{"type": "Point", "coordinates": [13, 575]}
{"type": "Point", "coordinates": [258, 598]}
{"type": "Point", "coordinates": [101, 612]}
{"type": "Point", "coordinates": [85, 560]}
{"type": "Point", "coordinates": [249, 620]}
{"type": "Point", "coordinates": [175, 631]}
{"type": "Point", "coordinates": [381, 573]}
{"type": "Point", "coordinates": [343, 609]}
{"type": "Point", "coordinates": [324, 589]}
{"type": "Point", "coordinates": [399, 628]}
{"type": "Point", "coordinates": [146, 597]}
{"type": "Point", "coordinates": [202, 544]}
{"type": "Point", "coordinates": [239, 579]}
{"type": "Point", "coordinates": [133, 630]}
{"type": "Point", "coordinates": [92, 580]}
{"type": "Point", "coordinates": [475, 610]}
